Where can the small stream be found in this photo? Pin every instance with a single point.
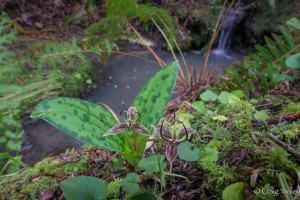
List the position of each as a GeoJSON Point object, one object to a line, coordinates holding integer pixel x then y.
{"type": "Point", "coordinates": [119, 81]}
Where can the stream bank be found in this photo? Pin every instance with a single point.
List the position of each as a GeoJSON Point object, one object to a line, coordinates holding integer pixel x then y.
{"type": "Point", "coordinates": [118, 82]}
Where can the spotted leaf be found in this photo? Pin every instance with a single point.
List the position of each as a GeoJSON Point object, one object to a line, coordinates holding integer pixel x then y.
{"type": "Point", "coordinates": [153, 98]}
{"type": "Point", "coordinates": [82, 120]}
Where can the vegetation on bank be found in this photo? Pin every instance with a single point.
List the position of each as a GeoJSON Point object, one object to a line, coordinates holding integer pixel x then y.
{"type": "Point", "coordinates": [233, 139]}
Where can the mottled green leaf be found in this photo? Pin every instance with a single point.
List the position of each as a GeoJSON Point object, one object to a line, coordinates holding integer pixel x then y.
{"type": "Point", "coordinates": [84, 188]}
{"type": "Point", "coordinates": [209, 96]}
{"type": "Point", "coordinates": [145, 196]}
{"type": "Point", "coordinates": [150, 164]}
{"type": "Point", "coordinates": [224, 97]}
{"type": "Point", "coordinates": [293, 22]}
{"type": "Point", "coordinates": [234, 192]}
{"type": "Point", "coordinates": [185, 152]}
{"type": "Point", "coordinates": [238, 93]}
{"type": "Point", "coordinates": [261, 115]}
{"type": "Point", "coordinates": [153, 98]}
{"type": "Point", "coordinates": [293, 61]}
{"type": "Point", "coordinates": [82, 120]}
{"type": "Point", "coordinates": [130, 183]}
{"type": "Point", "coordinates": [209, 154]}
{"type": "Point", "coordinates": [282, 77]}
{"type": "Point", "coordinates": [199, 106]}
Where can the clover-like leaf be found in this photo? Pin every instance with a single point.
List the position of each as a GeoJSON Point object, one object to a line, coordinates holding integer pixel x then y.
{"type": "Point", "coordinates": [233, 99]}
{"type": "Point", "coordinates": [234, 192]}
{"type": "Point", "coordinates": [209, 154]}
{"type": "Point", "coordinates": [150, 164]}
{"type": "Point", "coordinates": [277, 77]}
{"type": "Point", "coordinates": [293, 22]}
{"type": "Point", "coordinates": [199, 106]}
{"type": "Point", "coordinates": [209, 96]}
{"type": "Point", "coordinates": [261, 115]}
{"type": "Point", "coordinates": [84, 187]}
{"type": "Point", "coordinates": [185, 152]}
{"type": "Point", "coordinates": [293, 61]}
{"type": "Point", "coordinates": [145, 196]}
{"type": "Point", "coordinates": [224, 97]}
{"type": "Point", "coordinates": [130, 183]}
{"type": "Point", "coordinates": [238, 93]}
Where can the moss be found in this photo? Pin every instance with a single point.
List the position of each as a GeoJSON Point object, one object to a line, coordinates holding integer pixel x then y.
{"type": "Point", "coordinates": [241, 113]}
{"type": "Point", "coordinates": [114, 188]}
{"type": "Point", "coordinates": [222, 139]}
{"type": "Point", "coordinates": [292, 108]}
{"type": "Point", "coordinates": [44, 175]}
{"type": "Point", "coordinates": [41, 185]}
{"type": "Point", "coordinates": [287, 132]}
{"type": "Point", "coordinates": [76, 83]}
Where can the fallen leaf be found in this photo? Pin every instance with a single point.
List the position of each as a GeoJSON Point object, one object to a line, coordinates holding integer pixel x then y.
{"type": "Point", "coordinates": [255, 174]}
{"type": "Point", "coordinates": [35, 179]}
{"type": "Point", "coordinates": [47, 195]}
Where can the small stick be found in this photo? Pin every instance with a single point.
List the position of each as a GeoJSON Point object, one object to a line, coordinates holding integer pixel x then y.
{"type": "Point", "coordinates": [284, 145]}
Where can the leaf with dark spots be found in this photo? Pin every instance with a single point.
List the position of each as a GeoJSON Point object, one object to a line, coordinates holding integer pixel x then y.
{"type": "Point", "coordinates": [64, 117]}
{"type": "Point", "coordinates": [90, 132]}
{"type": "Point", "coordinates": [75, 112]}
{"type": "Point", "coordinates": [86, 117]}
{"type": "Point", "coordinates": [163, 77]}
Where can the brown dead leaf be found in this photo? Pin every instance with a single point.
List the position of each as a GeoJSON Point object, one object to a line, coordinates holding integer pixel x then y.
{"type": "Point", "coordinates": [35, 179]}
{"type": "Point", "coordinates": [255, 174]}
{"type": "Point", "coordinates": [191, 194]}
{"type": "Point", "coordinates": [47, 195]}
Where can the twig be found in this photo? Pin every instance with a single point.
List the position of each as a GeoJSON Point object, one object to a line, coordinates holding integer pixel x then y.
{"type": "Point", "coordinates": [284, 145]}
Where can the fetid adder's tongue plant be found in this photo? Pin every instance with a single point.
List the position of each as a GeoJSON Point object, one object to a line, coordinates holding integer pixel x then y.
{"type": "Point", "coordinates": [96, 125]}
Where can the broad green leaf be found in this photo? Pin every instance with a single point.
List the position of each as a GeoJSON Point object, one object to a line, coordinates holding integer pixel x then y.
{"type": "Point", "coordinates": [153, 98]}
{"type": "Point", "coordinates": [199, 106]}
{"type": "Point", "coordinates": [224, 97]}
{"type": "Point", "coordinates": [293, 61]}
{"type": "Point", "coordinates": [238, 93]}
{"type": "Point", "coordinates": [185, 118]}
{"type": "Point", "coordinates": [209, 154]}
{"type": "Point", "coordinates": [150, 164]}
{"type": "Point", "coordinates": [261, 115]}
{"type": "Point", "coordinates": [233, 99]}
{"type": "Point", "coordinates": [293, 22]}
{"type": "Point", "coordinates": [130, 183]}
{"type": "Point", "coordinates": [234, 192]}
{"type": "Point", "coordinates": [209, 96]}
{"type": "Point", "coordinates": [145, 196]}
{"type": "Point", "coordinates": [185, 152]}
{"type": "Point", "coordinates": [282, 77]}
{"type": "Point", "coordinates": [82, 120]}
{"type": "Point", "coordinates": [84, 188]}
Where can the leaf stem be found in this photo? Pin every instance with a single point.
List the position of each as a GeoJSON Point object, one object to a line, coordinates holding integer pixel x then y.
{"type": "Point", "coordinates": [128, 139]}
{"type": "Point", "coordinates": [150, 140]}
{"type": "Point", "coordinates": [135, 140]}
{"type": "Point", "coordinates": [170, 174]}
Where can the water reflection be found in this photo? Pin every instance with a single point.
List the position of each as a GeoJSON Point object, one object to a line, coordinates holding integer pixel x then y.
{"type": "Point", "coordinates": [118, 83]}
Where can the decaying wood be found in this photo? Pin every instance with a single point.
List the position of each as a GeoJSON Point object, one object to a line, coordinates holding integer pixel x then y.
{"type": "Point", "coordinates": [284, 145]}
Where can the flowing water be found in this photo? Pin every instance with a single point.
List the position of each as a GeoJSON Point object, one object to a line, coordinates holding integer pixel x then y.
{"type": "Point", "coordinates": [119, 81]}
